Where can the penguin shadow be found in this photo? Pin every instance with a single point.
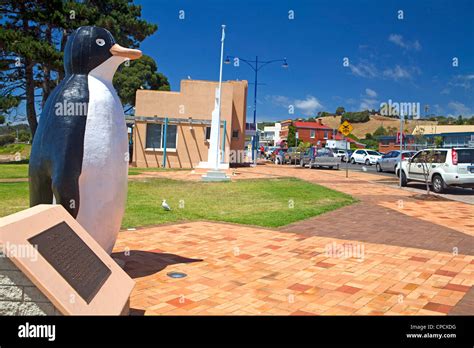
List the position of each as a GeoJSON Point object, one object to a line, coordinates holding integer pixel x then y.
{"type": "Point", "coordinates": [139, 263]}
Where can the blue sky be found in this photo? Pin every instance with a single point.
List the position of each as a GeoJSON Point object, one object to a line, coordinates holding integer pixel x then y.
{"type": "Point", "coordinates": [408, 60]}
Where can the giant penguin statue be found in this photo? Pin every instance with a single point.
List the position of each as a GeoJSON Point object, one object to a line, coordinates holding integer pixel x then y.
{"type": "Point", "coordinates": [79, 157]}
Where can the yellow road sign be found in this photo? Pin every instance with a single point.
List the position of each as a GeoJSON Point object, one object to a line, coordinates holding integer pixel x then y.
{"type": "Point", "coordinates": [345, 128]}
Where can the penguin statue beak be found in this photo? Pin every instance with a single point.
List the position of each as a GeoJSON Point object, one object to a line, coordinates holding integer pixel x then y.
{"type": "Point", "coordinates": [129, 53]}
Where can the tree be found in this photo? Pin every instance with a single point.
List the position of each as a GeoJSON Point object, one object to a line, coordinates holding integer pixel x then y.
{"type": "Point", "coordinates": [340, 110]}
{"type": "Point", "coordinates": [392, 130]}
{"type": "Point", "coordinates": [356, 117]}
{"type": "Point", "coordinates": [303, 146]}
{"type": "Point", "coordinates": [438, 141]}
{"type": "Point", "coordinates": [34, 34]}
{"type": "Point", "coordinates": [291, 140]}
{"type": "Point", "coordinates": [139, 74]}
{"type": "Point", "coordinates": [380, 131]}
{"type": "Point", "coordinates": [426, 159]}
{"type": "Point", "coordinates": [24, 136]}
{"type": "Point", "coordinates": [2, 119]}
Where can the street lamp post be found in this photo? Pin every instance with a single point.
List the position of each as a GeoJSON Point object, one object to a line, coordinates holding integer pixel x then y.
{"type": "Point", "coordinates": [256, 65]}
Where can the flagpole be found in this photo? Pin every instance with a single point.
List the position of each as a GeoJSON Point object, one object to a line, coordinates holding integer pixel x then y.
{"type": "Point", "coordinates": [220, 95]}
{"type": "Point", "coordinates": [214, 154]}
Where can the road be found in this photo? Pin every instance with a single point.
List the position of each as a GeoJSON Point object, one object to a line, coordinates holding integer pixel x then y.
{"type": "Point", "coordinates": [452, 193]}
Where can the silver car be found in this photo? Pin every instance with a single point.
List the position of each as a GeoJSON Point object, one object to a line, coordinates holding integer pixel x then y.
{"type": "Point", "coordinates": [389, 161]}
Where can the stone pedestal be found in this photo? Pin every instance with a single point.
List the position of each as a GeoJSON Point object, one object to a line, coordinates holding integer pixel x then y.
{"type": "Point", "coordinates": [18, 295]}
{"type": "Point", "coordinates": [50, 265]}
{"type": "Point", "coordinates": [215, 175]}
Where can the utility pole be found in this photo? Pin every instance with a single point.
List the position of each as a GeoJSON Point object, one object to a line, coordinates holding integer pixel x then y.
{"type": "Point", "coordinates": [256, 65]}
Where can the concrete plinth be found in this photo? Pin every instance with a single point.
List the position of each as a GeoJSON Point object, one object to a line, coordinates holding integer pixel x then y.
{"type": "Point", "coordinates": [215, 175]}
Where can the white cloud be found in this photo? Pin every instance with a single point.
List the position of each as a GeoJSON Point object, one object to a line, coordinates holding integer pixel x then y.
{"type": "Point", "coordinates": [370, 92]}
{"type": "Point", "coordinates": [397, 73]}
{"type": "Point", "coordinates": [463, 81]}
{"type": "Point", "coordinates": [279, 100]}
{"type": "Point", "coordinates": [309, 105]}
{"type": "Point", "coordinates": [364, 69]}
{"type": "Point", "coordinates": [459, 108]}
{"type": "Point", "coordinates": [438, 109]}
{"type": "Point", "coordinates": [398, 40]}
{"type": "Point", "coordinates": [368, 104]}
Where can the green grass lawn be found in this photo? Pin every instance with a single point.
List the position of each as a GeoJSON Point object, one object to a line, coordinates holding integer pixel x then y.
{"type": "Point", "coordinates": [13, 197]}
{"type": "Point", "coordinates": [136, 171]}
{"type": "Point", "coordinates": [13, 171]}
{"type": "Point", "coordinates": [20, 170]}
{"type": "Point", "coordinates": [257, 202]}
{"type": "Point", "coordinates": [12, 149]}
{"type": "Point", "coordinates": [261, 202]}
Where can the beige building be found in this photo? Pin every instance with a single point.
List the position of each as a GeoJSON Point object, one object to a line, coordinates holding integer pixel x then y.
{"type": "Point", "coordinates": [186, 117]}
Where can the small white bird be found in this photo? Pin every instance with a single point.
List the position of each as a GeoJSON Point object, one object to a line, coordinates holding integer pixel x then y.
{"type": "Point", "coordinates": [165, 205]}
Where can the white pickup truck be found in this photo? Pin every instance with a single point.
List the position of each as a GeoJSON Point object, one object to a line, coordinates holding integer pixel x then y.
{"type": "Point", "coordinates": [446, 167]}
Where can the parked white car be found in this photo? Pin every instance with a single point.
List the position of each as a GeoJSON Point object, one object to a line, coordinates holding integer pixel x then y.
{"type": "Point", "coordinates": [341, 154]}
{"type": "Point", "coordinates": [450, 167]}
{"type": "Point", "coordinates": [367, 157]}
{"type": "Point", "coordinates": [389, 161]}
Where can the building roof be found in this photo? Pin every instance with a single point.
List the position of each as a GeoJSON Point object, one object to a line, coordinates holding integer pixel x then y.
{"type": "Point", "coordinates": [440, 129]}
{"type": "Point", "coordinates": [310, 125]}
{"type": "Point", "coordinates": [393, 137]}
{"type": "Point", "coordinates": [349, 140]}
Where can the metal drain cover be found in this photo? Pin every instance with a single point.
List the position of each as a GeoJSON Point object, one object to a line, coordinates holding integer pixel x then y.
{"type": "Point", "coordinates": [176, 275]}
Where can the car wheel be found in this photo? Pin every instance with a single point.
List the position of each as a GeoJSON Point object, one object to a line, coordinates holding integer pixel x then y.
{"type": "Point", "coordinates": [378, 168]}
{"type": "Point", "coordinates": [438, 183]}
{"type": "Point", "coordinates": [331, 167]}
{"type": "Point", "coordinates": [404, 179]}
{"type": "Point", "coordinates": [353, 161]}
{"type": "Point", "coordinates": [367, 162]}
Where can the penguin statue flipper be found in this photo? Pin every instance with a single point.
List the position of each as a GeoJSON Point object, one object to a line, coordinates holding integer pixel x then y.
{"type": "Point", "coordinates": [56, 157]}
{"type": "Point", "coordinates": [78, 156]}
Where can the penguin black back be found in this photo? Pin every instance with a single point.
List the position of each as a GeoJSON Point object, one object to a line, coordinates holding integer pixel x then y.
{"type": "Point", "coordinates": [57, 151]}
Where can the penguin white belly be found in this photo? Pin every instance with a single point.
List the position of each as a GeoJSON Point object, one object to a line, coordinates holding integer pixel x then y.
{"type": "Point", "coordinates": [103, 179]}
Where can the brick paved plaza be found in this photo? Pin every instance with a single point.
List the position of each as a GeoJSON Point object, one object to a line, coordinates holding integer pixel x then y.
{"type": "Point", "coordinates": [407, 257]}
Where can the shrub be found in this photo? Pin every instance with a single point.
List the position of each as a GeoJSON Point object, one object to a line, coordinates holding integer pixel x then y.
{"type": "Point", "coordinates": [7, 139]}
{"type": "Point", "coordinates": [356, 117]}
{"type": "Point", "coordinates": [24, 136]}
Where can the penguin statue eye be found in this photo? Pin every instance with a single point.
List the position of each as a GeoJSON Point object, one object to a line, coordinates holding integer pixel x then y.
{"type": "Point", "coordinates": [100, 42]}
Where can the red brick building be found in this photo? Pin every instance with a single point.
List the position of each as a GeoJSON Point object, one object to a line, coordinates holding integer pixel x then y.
{"type": "Point", "coordinates": [315, 133]}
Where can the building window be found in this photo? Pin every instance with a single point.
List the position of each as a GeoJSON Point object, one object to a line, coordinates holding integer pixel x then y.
{"type": "Point", "coordinates": [208, 133]}
{"type": "Point", "coordinates": [235, 134]}
{"type": "Point", "coordinates": [154, 138]}
{"type": "Point", "coordinates": [326, 134]}
{"type": "Point", "coordinates": [312, 134]}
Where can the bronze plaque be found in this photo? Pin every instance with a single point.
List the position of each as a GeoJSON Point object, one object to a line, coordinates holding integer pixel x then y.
{"type": "Point", "coordinates": [72, 259]}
